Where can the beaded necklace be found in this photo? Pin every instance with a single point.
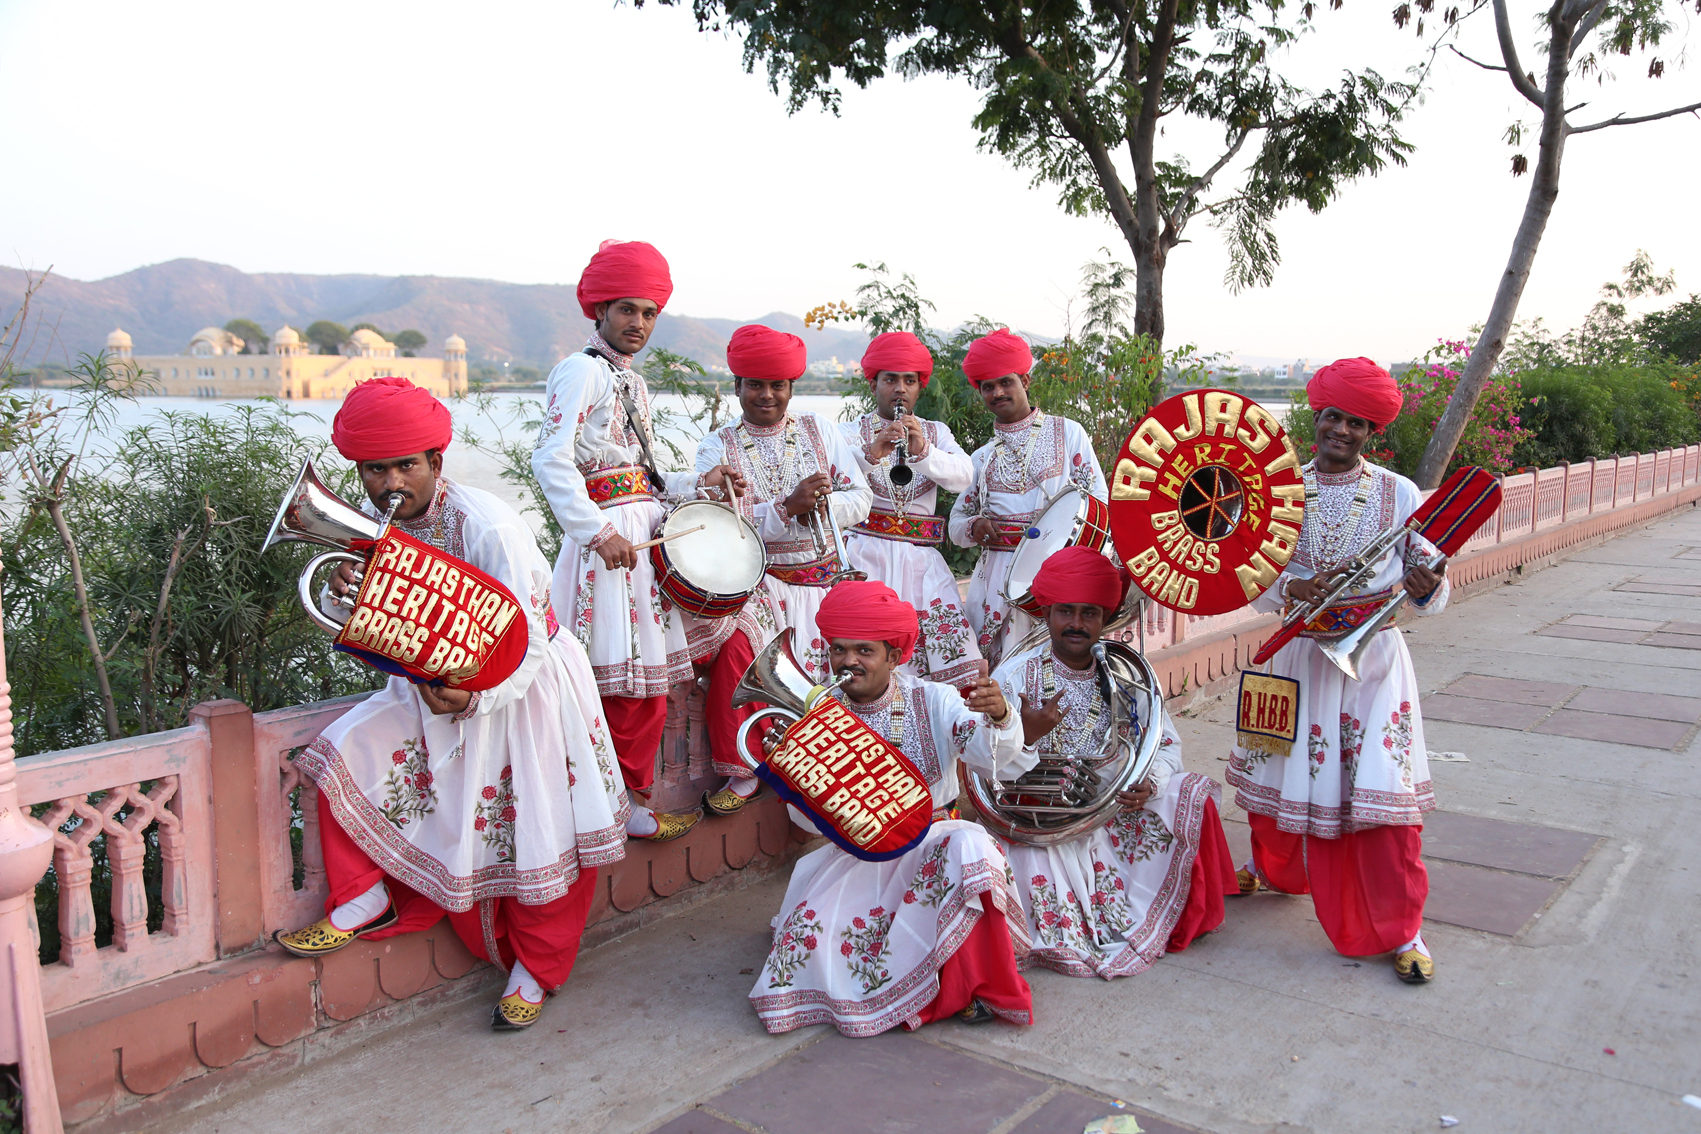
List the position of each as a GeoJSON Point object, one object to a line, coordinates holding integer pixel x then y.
{"type": "Point", "coordinates": [1070, 739]}
{"type": "Point", "coordinates": [1330, 541]}
{"type": "Point", "coordinates": [1000, 448]}
{"type": "Point", "coordinates": [891, 705]}
{"type": "Point", "coordinates": [771, 482]}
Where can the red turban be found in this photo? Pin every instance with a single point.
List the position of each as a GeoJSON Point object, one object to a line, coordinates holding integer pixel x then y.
{"type": "Point", "coordinates": [764, 353]}
{"type": "Point", "coordinates": [869, 612]}
{"type": "Point", "coordinates": [1079, 574]}
{"type": "Point", "coordinates": [1359, 387]}
{"type": "Point", "coordinates": [899, 351]}
{"type": "Point", "coordinates": [997, 354]}
{"type": "Point", "coordinates": [633, 270]}
{"type": "Point", "coordinates": [390, 417]}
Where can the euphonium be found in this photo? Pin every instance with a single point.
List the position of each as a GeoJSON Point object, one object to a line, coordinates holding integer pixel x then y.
{"type": "Point", "coordinates": [312, 513]}
{"type": "Point", "coordinates": [778, 680]}
{"type": "Point", "coordinates": [1063, 797]}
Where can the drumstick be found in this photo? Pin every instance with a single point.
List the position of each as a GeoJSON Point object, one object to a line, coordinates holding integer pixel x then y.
{"type": "Point", "coordinates": [665, 538]}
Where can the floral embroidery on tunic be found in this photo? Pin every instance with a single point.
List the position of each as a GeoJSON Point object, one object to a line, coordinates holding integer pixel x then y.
{"type": "Point", "coordinates": [1055, 917]}
{"type": "Point", "coordinates": [944, 633]}
{"type": "Point", "coordinates": [494, 815]}
{"type": "Point", "coordinates": [931, 885]}
{"type": "Point", "coordinates": [1138, 835]}
{"type": "Point", "coordinates": [1397, 739]}
{"type": "Point", "coordinates": [1318, 748]}
{"type": "Point", "coordinates": [865, 947]}
{"type": "Point", "coordinates": [1352, 741]}
{"type": "Point", "coordinates": [794, 944]}
{"type": "Point", "coordinates": [1110, 903]}
{"type": "Point", "coordinates": [407, 787]}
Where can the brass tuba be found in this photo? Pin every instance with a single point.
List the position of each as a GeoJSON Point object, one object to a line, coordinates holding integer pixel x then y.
{"type": "Point", "coordinates": [312, 513]}
{"type": "Point", "coordinates": [1063, 797]}
{"type": "Point", "coordinates": [778, 680]}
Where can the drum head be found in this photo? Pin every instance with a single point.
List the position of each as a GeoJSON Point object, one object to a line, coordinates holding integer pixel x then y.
{"type": "Point", "coordinates": [715, 559]}
{"type": "Point", "coordinates": [1052, 530]}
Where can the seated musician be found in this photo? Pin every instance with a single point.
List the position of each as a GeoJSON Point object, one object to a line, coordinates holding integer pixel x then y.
{"type": "Point", "coordinates": [1341, 818]}
{"type": "Point", "coordinates": [1112, 901]}
{"type": "Point", "coordinates": [937, 931]}
{"type": "Point", "coordinates": [899, 541]}
{"type": "Point", "coordinates": [794, 465]}
{"type": "Point", "coordinates": [1031, 457]}
{"type": "Point", "coordinates": [494, 807]}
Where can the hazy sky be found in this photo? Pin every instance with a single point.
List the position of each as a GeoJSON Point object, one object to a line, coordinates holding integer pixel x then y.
{"type": "Point", "coordinates": [505, 140]}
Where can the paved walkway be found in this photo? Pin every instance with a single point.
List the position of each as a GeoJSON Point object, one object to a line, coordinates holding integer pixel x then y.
{"type": "Point", "coordinates": [1568, 838]}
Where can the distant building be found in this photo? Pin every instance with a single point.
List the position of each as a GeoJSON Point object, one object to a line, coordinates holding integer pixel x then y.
{"type": "Point", "coordinates": [213, 366]}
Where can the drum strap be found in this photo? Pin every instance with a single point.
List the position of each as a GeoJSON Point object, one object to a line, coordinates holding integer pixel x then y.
{"type": "Point", "coordinates": [636, 425]}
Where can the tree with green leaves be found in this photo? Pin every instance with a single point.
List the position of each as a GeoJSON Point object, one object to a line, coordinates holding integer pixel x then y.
{"type": "Point", "coordinates": [408, 342]}
{"type": "Point", "coordinates": [329, 337]}
{"type": "Point", "coordinates": [254, 339]}
{"type": "Point", "coordinates": [1580, 39]}
{"type": "Point", "coordinates": [1078, 93]}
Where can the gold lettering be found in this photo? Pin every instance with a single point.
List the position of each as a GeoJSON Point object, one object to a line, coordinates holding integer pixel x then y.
{"type": "Point", "coordinates": [434, 663]}
{"type": "Point", "coordinates": [1263, 428]}
{"type": "Point", "coordinates": [1129, 481]}
{"type": "Point", "coordinates": [1288, 460]}
{"type": "Point", "coordinates": [434, 577]}
{"type": "Point", "coordinates": [1292, 506]}
{"type": "Point", "coordinates": [1255, 576]}
{"type": "Point", "coordinates": [451, 580]}
{"type": "Point", "coordinates": [1162, 520]}
{"type": "Point", "coordinates": [1172, 588]}
{"type": "Point", "coordinates": [404, 562]}
{"type": "Point", "coordinates": [416, 599]}
{"type": "Point", "coordinates": [1189, 595]}
{"type": "Point", "coordinates": [387, 560]}
{"type": "Point", "coordinates": [1279, 545]}
{"type": "Point", "coordinates": [391, 602]}
{"type": "Point", "coordinates": [1150, 441]}
{"type": "Point", "coordinates": [1191, 430]}
{"type": "Point", "coordinates": [1142, 562]}
{"type": "Point", "coordinates": [1222, 410]}
{"type": "Point", "coordinates": [458, 628]}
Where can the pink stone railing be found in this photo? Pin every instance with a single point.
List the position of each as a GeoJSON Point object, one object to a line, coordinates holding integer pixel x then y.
{"type": "Point", "coordinates": [228, 880]}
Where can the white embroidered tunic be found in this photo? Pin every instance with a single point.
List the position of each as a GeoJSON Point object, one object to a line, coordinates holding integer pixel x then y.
{"type": "Point", "coordinates": [632, 633]}
{"type": "Point", "coordinates": [1106, 902]}
{"type": "Point", "coordinates": [1360, 759]}
{"type": "Point", "coordinates": [1015, 474]}
{"type": "Point", "coordinates": [947, 651]}
{"type": "Point", "coordinates": [509, 799]}
{"type": "Point", "coordinates": [774, 460]}
{"type": "Point", "coordinates": [859, 944]}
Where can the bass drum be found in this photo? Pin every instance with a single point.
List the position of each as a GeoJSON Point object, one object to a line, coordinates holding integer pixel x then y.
{"type": "Point", "coordinates": [710, 572]}
{"type": "Point", "coordinates": [1071, 518]}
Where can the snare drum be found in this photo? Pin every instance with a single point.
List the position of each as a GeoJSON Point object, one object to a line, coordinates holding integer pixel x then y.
{"type": "Point", "coordinates": [1072, 518]}
{"type": "Point", "coordinates": [709, 573]}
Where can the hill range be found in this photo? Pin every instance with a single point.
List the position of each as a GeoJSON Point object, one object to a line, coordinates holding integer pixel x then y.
{"type": "Point", "coordinates": [163, 305]}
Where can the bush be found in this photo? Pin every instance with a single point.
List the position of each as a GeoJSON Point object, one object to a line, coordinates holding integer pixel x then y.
{"type": "Point", "coordinates": [1578, 412]}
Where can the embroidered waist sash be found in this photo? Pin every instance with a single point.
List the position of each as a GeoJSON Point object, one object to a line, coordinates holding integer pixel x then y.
{"type": "Point", "coordinates": [608, 488]}
{"type": "Point", "coordinates": [814, 573]}
{"type": "Point", "coordinates": [1335, 622]}
{"type": "Point", "coordinates": [926, 530]}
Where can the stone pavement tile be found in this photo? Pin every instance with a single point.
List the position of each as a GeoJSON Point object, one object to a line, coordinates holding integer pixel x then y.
{"type": "Point", "coordinates": [1614, 729]}
{"type": "Point", "coordinates": [1522, 847]}
{"type": "Point", "coordinates": [1676, 641]}
{"type": "Point", "coordinates": [1591, 633]}
{"type": "Point", "coordinates": [1659, 706]}
{"type": "Point", "coordinates": [1069, 1113]}
{"type": "Point", "coordinates": [697, 1122]}
{"type": "Point", "coordinates": [1638, 587]}
{"type": "Point", "coordinates": [888, 1083]}
{"type": "Point", "coordinates": [1682, 628]}
{"type": "Point", "coordinates": [1490, 900]}
{"type": "Point", "coordinates": [1471, 710]}
{"type": "Point", "coordinates": [1544, 693]}
{"type": "Point", "coordinates": [1642, 624]}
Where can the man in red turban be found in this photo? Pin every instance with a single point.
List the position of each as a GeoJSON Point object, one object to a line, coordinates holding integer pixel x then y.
{"type": "Point", "coordinates": [1158, 871]}
{"type": "Point", "coordinates": [798, 466]}
{"type": "Point", "coordinates": [1340, 816]}
{"type": "Point", "coordinates": [1032, 457]}
{"type": "Point", "coordinates": [594, 460]}
{"type": "Point", "coordinates": [434, 799]}
{"type": "Point", "coordinates": [837, 897]}
{"type": "Point", "coordinates": [899, 540]}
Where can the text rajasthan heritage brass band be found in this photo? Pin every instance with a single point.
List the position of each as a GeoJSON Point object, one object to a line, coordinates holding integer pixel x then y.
{"type": "Point", "coordinates": [797, 572]}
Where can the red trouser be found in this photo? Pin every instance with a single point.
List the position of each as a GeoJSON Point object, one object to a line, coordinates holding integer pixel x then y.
{"type": "Point", "coordinates": [1368, 886]}
{"type": "Point", "coordinates": [719, 717]}
{"type": "Point", "coordinates": [1212, 877]}
{"type": "Point", "coordinates": [544, 938]}
{"type": "Point", "coordinates": [636, 725]}
{"type": "Point", "coordinates": [983, 968]}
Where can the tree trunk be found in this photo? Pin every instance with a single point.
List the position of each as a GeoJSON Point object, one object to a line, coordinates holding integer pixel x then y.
{"type": "Point", "coordinates": [1544, 190]}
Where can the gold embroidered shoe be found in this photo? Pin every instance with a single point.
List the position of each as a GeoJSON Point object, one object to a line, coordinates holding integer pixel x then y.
{"type": "Point", "coordinates": [670, 825]}
{"type": "Point", "coordinates": [514, 1013]}
{"type": "Point", "coordinates": [1248, 881]}
{"type": "Point", "coordinates": [977, 1013]}
{"type": "Point", "coordinates": [1413, 967]}
{"type": "Point", "coordinates": [322, 937]}
{"type": "Point", "coordinates": [728, 802]}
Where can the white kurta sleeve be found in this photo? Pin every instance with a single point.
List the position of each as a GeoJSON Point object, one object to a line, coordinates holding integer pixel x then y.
{"type": "Point", "coordinates": [967, 507]}
{"type": "Point", "coordinates": [506, 554]}
{"type": "Point", "coordinates": [576, 385]}
{"type": "Point", "coordinates": [1083, 462]}
{"type": "Point", "coordinates": [969, 736]}
{"type": "Point", "coordinates": [851, 433]}
{"type": "Point", "coordinates": [851, 498]}
{"type": "Point", "coordinates": [945, 463]}
{"type": "Point", "coordinates": [1167, 762]}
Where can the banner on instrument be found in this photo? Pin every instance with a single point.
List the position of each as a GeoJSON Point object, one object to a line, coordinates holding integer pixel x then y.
{"type": "Point", "coordinates": [433, 618]}
{"type": "Point", "coordinates": [1268, 717]}
{"type": "Point", "coordinates": [861, 792]}
{"type": "Point", "coordinates": [1206, 501]}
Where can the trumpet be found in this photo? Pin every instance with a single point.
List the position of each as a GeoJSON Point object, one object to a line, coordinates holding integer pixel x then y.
{"type": "Point", "coordinates": [312, 513]}
{"type": "Point", "coordinates": [829, 540]}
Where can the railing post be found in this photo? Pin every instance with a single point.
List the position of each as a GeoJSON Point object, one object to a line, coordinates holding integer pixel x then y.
{"type": "Point", "coordinates": [237, 849]}
{"type": "Point", "coordinates": [26, 847]}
